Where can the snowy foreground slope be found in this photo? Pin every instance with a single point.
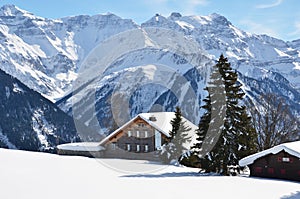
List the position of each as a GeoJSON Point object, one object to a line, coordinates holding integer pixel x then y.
{"type": "Point", "coordinates": [30, 175]}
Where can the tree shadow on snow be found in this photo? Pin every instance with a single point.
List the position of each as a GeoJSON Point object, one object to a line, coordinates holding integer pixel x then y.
{"type": "Point", "coordinates": [170, 175]}
{"type": "Point", "coordinates": [293, 196]}
{"type": "Point", "coordinates": [273, 179]}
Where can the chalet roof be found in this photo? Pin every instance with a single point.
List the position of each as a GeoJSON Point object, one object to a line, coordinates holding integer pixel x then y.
{"type": "Point", "coordinates": [293, 148]}
{"type": "Point", "coordinates": [81, 146]}
{"type": "Point", "coordinates": [161, 123]}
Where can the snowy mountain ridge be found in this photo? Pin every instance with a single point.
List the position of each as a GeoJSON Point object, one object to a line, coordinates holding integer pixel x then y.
{"type": "Point", "coordinates": [47, 55]}
{"type": "Point", "coordinates": [29, 121]}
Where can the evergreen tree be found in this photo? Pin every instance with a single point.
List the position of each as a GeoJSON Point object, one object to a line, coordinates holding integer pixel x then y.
{"type": "Point", "coordinates": [203, 124]}
{"type": "Point", "coordinates": [198, 153]}
{"type": "Point", "coordinates": [211, 123]}
{"type": "Point", "coordinates": [231, 130]}
{"type": "Point", "coordinates": [175, 122]}
{"type": "Point", "coordinates": [238, 130]}
{"type": "Point", "coordinates": [174, 149]}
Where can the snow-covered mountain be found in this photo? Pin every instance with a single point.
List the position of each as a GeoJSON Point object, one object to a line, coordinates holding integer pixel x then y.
{"type": "Point", "coordinates": [50, 56]}
{"type": "Point", "coordinates": [44, 53]}
{"type": "Point", "coordinates": [252, 55]}
{"type": "Point", "coordinates": [29, 121]}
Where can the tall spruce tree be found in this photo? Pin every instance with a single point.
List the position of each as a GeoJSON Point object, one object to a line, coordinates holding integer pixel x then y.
{"type": "Point", "coordinates": [203, 124]}
{"type": "Point", "coordinates": [236, 137]}
{"type": "Point", "coordinates": [238, 128]}
{"type": "Point", "coordinates": [175, 148]}
{"type": "Point", "coordinates": [211, 123]}
{"type": "Point", "coordinates": [198, 155]}
{"type": "Point", "coordinates": [175, 122]}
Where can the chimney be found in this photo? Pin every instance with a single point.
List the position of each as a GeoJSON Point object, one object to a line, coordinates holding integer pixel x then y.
{"type": "Point", "coordinates": [152, 118]}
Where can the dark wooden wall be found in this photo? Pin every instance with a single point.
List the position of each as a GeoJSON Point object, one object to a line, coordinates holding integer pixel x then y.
{"type": "Point", "coordinates": [281, 165]}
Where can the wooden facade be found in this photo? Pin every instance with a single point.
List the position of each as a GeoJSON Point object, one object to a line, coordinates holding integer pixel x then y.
{"type": "Point", "coordinates": [140, 138]}
{"type": "Point", "coordinates": [281, 165]}
{"type": "Point", "coordinates": [136, 140]}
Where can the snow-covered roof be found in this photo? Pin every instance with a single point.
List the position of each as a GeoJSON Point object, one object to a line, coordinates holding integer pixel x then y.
{"type": "Point", "coordinates": [81, 146]}
{"type": "Point", "coordinates": [162, 124]}
{"type": "Point", "coordinates": [292, 148]}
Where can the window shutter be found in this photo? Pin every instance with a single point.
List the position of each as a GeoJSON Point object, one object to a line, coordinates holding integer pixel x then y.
{"type": "Point", "coordinates": [279, 159]}
{"type": "Point", "coordinates": [271, 170]}
{"type": "Point", "coordinates": [258, 169]}
{"type": "Point", "coordinates": [282, 171]}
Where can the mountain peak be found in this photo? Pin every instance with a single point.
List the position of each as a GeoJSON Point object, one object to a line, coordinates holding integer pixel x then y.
{"type": "Point", "coordinates": [156, 20]}
{"type": "Point", "coordinates": [12, 10]}
{"type": "Point", "coordinates": [220, 19]}
{"type": "Point", "coordinates": [175, 15]}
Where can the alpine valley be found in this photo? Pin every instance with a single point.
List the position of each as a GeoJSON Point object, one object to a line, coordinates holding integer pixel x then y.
{"type": "Point", "coordinates": [51, 57]}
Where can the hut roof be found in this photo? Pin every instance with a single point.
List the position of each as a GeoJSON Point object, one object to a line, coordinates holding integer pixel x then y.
{"type": "Point", "coordinates": [293, 148]}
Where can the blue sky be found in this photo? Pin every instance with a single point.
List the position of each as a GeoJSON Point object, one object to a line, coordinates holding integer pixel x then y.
{"type": "Point", "coordinates": [278, 18]}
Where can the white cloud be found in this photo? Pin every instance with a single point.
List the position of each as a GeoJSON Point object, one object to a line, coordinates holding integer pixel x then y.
{"type": "Point", "coordinates": [193, 2]}
{"type": "Point", "coordinates": [187, 6]}
{"type": "Point", "coordinates": [190, 6]}
{"type": "Point", "coordinates": [197, 2]}
{"type": "Point", "coordinates": [296, 33]}
{"type": "Point", "coordinates": [257, 28]}
{"type": "Point", "coordinates": [271, 5]}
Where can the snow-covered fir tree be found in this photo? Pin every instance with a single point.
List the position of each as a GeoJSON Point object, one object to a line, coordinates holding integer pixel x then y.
{"type": "Point", "coordinates": [229, 130]}
{"type": "Point", "coordinates": [173, 151]}
{"type": "Point", "coordinates": [197, 155]}
{"type": "Point", "coordinates": [240, 132]}
{"type": "Point", "coordinates": [203, 124]}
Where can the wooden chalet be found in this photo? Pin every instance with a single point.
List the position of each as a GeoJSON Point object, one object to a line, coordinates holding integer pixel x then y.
{"type": "Point", "coordinates": [142, 136]}
{"type": "Point", "coordinates": [282, 161]}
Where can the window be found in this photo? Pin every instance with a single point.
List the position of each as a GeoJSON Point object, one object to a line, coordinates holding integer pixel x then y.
{"type": "Point", "coordinates": [128, 147]}
{"type": "Point", "coordinates": [137, 134]}
{"type": "Point", "coordinates": [137, 148]}
{"type": "Point", "coordinates": [285, 159]}
{"type": "Point", "coordinates": [271, 170]}
{"type": "Point", "coordinates": [141, 124]}
{"type": "Point", "coordinates": [146, 148]}
{"type": "Point", "coordinates": [129, 133]}
{"type": "Point", "coordinates": [146, 134]}
{"type": "Point", "coordinates": [113, 146]}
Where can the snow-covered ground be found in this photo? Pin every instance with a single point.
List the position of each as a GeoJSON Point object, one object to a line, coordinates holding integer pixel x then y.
{"type": "Point", "coordinates": [32, 175]}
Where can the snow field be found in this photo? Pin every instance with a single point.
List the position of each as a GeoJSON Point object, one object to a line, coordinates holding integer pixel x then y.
{"type": "Point", "coordinates": [32, 175]}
